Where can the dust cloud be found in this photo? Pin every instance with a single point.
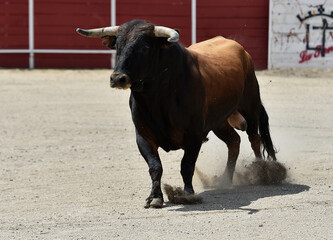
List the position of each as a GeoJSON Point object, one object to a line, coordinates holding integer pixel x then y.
{"type": "Point", "coordinates": [249, 171]}
{"type": "Point", "coordinates": [258, 172]}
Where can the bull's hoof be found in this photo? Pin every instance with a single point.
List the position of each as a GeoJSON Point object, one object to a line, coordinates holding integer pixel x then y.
{"type": "Point", "coordinates": [154, 203]}
{"type": "Point", "coordinates": [188, 191]}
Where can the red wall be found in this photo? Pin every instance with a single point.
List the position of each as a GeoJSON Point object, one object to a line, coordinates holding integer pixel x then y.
{"type": "Point", "coordinates": [174, 14]}
{"type": "Point", "coordinates": [55, 24]}
{"type": "Point", "coordinates": [246, 21]}
{"type": "Point", "coordinates": [14, 32]}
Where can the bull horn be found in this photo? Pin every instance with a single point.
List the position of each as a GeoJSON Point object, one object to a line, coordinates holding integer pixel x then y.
{"type": "Point", "coordinates": [99, 32]}
{"type": "Point", "coordinates": [171, 34]}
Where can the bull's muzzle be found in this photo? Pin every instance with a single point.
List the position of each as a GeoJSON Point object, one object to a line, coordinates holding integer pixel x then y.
{"type": "Point", "coordinates": [120, 80]}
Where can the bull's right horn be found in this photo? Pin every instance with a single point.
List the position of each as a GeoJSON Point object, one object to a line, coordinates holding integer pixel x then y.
{"type": "Point", "coordinates": [99, 32]}
{"type": "Point", "coordinates": [171, 34]}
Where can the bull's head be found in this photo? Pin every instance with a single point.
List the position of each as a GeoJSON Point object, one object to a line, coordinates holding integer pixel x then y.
{"type": "Point", "coordinates": [138, 44]}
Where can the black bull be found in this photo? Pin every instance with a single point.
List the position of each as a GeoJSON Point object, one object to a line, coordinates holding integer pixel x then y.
{"type": "Point", "coordinates": [179, 95]}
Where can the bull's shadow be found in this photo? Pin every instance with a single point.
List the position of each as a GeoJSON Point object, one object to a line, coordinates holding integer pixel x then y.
{"type": "Point", "coordinates": [239, 197]}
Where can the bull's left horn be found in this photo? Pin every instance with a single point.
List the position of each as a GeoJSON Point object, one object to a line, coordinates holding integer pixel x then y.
{"type": "Point", "coordinates": [99, 32]}
{"type": "Point", "coordinates": [171, 34]}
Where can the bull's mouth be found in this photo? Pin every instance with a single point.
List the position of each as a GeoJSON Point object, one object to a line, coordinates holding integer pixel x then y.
{"type": "Point", "coordinates": [119, 86]}
{"type": "Point", "coordinates": [137, 86]}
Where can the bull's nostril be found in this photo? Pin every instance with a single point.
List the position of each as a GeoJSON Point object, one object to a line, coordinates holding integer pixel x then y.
{"type": "Point", "coordinates": [122, 80]}
{"type": "Point", "coordinates": [113, 78]}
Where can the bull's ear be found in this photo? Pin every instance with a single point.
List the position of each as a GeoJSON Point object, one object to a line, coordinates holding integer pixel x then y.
{"type": "Point", "coordinates": [109, 41]}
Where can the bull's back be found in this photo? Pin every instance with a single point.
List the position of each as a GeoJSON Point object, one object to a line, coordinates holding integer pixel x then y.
{"type": "Point", "coordinates": [224, 65]}
{"type": "Point", "coordinates": [221, 56]}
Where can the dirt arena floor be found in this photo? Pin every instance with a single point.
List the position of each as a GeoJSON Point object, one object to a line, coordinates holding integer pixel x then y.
{"type": "Point", "coordinates": [70, 168]}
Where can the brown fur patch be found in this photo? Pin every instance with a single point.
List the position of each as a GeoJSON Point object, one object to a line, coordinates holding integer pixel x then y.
{"type": "Point", "coordinates": [177, 196]}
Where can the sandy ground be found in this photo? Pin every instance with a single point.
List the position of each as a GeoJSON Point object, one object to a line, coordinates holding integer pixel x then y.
{"type": "Point", "coordinates": [70, 168]}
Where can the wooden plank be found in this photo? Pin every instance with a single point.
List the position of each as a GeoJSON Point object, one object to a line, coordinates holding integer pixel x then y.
{"type": "Point", "coordinates": [232, 3]}
{"type": "Point", "coordinates": [14, 60]}
{"type": "Point", "coordinates": [73, 20]}
{"type": "Point", "coordinates": [255, 23]}
{"type": "Point", "coordinates": [13, 42]}
{"type": "Point", "coordinates": [11, 3]}
{"type": "Point", "coordinates": [72, 9]}
{"type": "Point", "coordinates": [73, 41]}
{"type": "Point", "coordinates": [14, 8]}
{"type": "Point", "coordinates": [14, 31]}
{"type": "Point", "coordinates": [176, 3]}
{"type": "Point", "coordinates": [230, 32]}
{"type": "Point", "coordinates": [58, 31]}
{"type": "Point", "coordinates": [232, 12]}
{"type": "Point", "coordinates": [14, 20]}
{"type": "Point", "coordinates": [72, 61]}
{"type": "Point", "coordinates": [84, 2]}
{"type": "Point", "coordinates": [65, 31]}
{"type": "Point", "coordinates": [153, 10]}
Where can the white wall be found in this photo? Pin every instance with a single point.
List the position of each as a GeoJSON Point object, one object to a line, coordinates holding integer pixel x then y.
{"type": "Point", "coordinates": [288, 34]}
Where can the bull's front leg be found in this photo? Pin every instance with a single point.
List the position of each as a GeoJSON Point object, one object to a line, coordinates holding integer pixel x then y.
{"type": "Point", "coordinates": [191, 153]}
{"type": "Point", "coordinates": [150, 154]}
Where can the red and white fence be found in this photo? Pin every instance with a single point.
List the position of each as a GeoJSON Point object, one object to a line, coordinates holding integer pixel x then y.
{"type": "Point", "coordinates": [41, 33]}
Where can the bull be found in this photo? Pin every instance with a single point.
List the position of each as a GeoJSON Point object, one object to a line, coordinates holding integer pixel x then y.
{"type": "Point", "coordinates": [178, 95]}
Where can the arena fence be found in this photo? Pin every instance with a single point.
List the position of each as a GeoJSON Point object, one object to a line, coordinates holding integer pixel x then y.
{"type": "Point", "coordinates": [32, 50]}
{"type": "Point", "coordinates": [41, 34]}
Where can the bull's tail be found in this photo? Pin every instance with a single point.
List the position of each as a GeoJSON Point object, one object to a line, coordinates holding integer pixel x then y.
{"type": "Point", "coordinates": [265, 136]}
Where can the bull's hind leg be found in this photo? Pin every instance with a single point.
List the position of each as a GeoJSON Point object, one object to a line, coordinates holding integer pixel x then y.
{"type": "Point", "coordinates": [254, 137]}
{"type": "Point", "coordinates": [250, 110]}
{"type": "Point", "coordinates": [152, 158]}
{"type": "Point", "coordinates": [228, 135]}
{"type": "Point", "coordinates": [259, 135]}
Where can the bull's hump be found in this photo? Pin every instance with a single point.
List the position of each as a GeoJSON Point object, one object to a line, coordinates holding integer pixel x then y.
{"type": "Point", "coordinates": [218, 40]}
{"type": "Point", "coordinates": [215, 45]}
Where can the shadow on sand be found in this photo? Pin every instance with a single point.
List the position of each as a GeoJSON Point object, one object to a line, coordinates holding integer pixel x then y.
{"type": "Point", "coordinates": [239, 197]}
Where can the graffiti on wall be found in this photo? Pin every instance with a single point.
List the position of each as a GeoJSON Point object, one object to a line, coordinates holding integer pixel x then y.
{"type": "Point", "coordinates": [320, 49]}
{"type": "Point", "coordinates": [301, 34]}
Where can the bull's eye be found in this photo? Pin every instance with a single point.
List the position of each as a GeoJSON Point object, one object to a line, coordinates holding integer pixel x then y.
{"type": "Point", "coordinates": [144, 50]}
